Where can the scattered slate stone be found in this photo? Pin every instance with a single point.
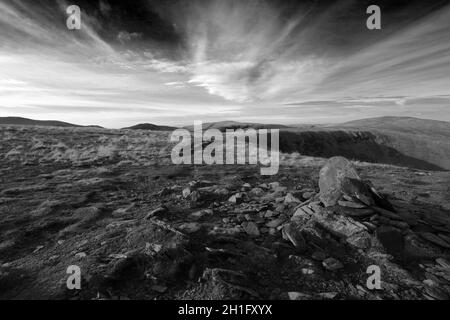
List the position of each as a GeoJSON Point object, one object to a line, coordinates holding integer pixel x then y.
{"type": "Point", "coordinates": [186, 192]}
{"type": "Point", "coordinates": [158, 211]}
{"type": "Point", "coordinates": [305, 210]}
{"type": "Point", "coordinates": [332, 264]}
{"type": "Point", "coordinates": [360, 240]}
{"type": "Point", "coordinates": [264, 230]}
{"type": "Point", "coordinates": [370, 226]}
{"type": "Point", "coordinates": [395, 223]}
{"type": "Point", "coordinates": [80, 255]}
{"type": "Point", "coordinates": [299, 214]}
{"type": "Point", "coordinates": [281, 191]}
{"type": "Point", "coordinates": [291, 233]}
{"type": "Point", "coordinates": [269, 214]}
{"type": "Point", "coordinates": [307, 195]}
{"type": "Point", "coordinates": [436, 293]}
{"type": "Point", "coordinates": [289, 198]}
{"type": "Point", "coordinates": [274, 185]}
{"type": "Point", "coordinates": [328, 295]}
{"type": "Point", "coordinates": [444, 229]}
{"type": "Point", "coordinates": [53, 258]}
{"type": "Point", "coordinates": [246, 186]}
{"type": "Point", "coordinates": [237, 198]}
{"type": "Point", "coordinates": [299, 296]}
{"type": "Point", "coordinates": [443, 263]}
{"type": "Point", "coordinates": [351, 204]}
{"type": "Point", "coordinates": [444, 237]}
{"type": "Point", "coordinates": [118, 256]}
{"type": "Point", "coordinates": [202, 213]}
{"type": "Point", "coordinates": [221, 192]}
{"type": "Point", "coordinates": [152, 248]}
{"type": "Point", "coordinates": [158, 288]}
{"type": "Point", "coordinates": [307, 271]}
{"type": "Point", "coordinates": [435, 239]}
{"type": "Point", "coordinates": [279, 199]}
{"type": "Point", "coordinates": [38, 248]}
{"type": "Point", "coordinates": [194, 198]}
{"type": "Point", "coordinates": [319, 255]}
{"type": "Point", "coordinates": [251, 228]}
{"type": "Point", "coordinates": [356, 213]}
{"type": "Point", "coordinates": [257, 192]}
{"type": "Point", "coordinates": [264, 186]}
{"type": "Point", "coordinates": [190, 227]}
{"type": "Point", "coordinates": [274, 223]}
{"type": "Point", "coordinates": [387, 214]}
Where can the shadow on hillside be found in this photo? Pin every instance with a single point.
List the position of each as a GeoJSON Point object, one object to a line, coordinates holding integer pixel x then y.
{"type": "Point", "coordinates": [360, 146]}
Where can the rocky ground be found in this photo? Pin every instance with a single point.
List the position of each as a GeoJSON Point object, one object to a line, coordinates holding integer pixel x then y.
{"type": "Point", "coordinates": [139, 227]}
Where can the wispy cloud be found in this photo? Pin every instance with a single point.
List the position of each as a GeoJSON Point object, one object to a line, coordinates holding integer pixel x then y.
{"type": "Point", "coordinates": [249, 60]}
{"type": "Point", "coordinates": [244, 52]}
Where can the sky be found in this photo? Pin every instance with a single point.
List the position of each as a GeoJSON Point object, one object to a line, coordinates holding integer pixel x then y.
{"type": "Point", "coordinates": [176, 61]}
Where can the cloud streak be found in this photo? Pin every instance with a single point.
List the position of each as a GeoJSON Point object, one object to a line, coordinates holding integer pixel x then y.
{"type": "Point", "coordinates": [255, 60]}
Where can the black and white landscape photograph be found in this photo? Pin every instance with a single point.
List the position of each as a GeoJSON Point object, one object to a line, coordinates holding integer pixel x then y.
{"type": "Point", "coordinates": [245, 150]}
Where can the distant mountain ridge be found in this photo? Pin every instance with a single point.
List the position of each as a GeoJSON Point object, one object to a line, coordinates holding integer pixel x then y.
{"type": "Point", "coordinates": [44, 123]}
{"type": "Point", "coordinates": [150, 126]}
{"type": "Point", "coordinates": [223, 125]}
{"type": "Point", "coordinates": [403, 124]}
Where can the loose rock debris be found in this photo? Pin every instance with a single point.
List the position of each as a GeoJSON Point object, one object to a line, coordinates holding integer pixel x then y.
{"type": "Point", "coordinates": [145, 231]}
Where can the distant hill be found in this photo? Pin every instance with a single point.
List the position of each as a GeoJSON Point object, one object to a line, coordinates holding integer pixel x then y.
{"type": "Point", "coordinates": [403, 124]}
{"type": "Point", "coordinates": [30, 122]}
{"type": "Point", "coordinates": [234, 125]}
{"type": "Point", "coordinates": [149, 126]}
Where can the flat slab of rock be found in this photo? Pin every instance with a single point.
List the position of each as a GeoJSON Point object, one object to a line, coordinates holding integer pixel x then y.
{"type": "Point", "coordinates": [292, 234]}
{"type": "Point", "coordinates": [351, 204]}
{"type": "Point", "coordinates": [332, 264]}
{"type": "Point", "coordinates": [190, 227]}
{"type": "Point", "coordinates": [274, 223]}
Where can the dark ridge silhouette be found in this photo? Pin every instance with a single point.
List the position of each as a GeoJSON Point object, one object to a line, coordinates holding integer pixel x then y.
{"type": "Point", "coordinates": [149, 126]}
{"type": "Point", "coordinates": [43, 123]}
{"type": "Point", "coordinates": [362, 146]}
{"type": "Point", "coordinates": [427, 140]}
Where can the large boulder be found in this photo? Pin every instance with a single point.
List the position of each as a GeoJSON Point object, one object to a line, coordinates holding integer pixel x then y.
{"type": "Point", "coordinates": [336, 178]}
